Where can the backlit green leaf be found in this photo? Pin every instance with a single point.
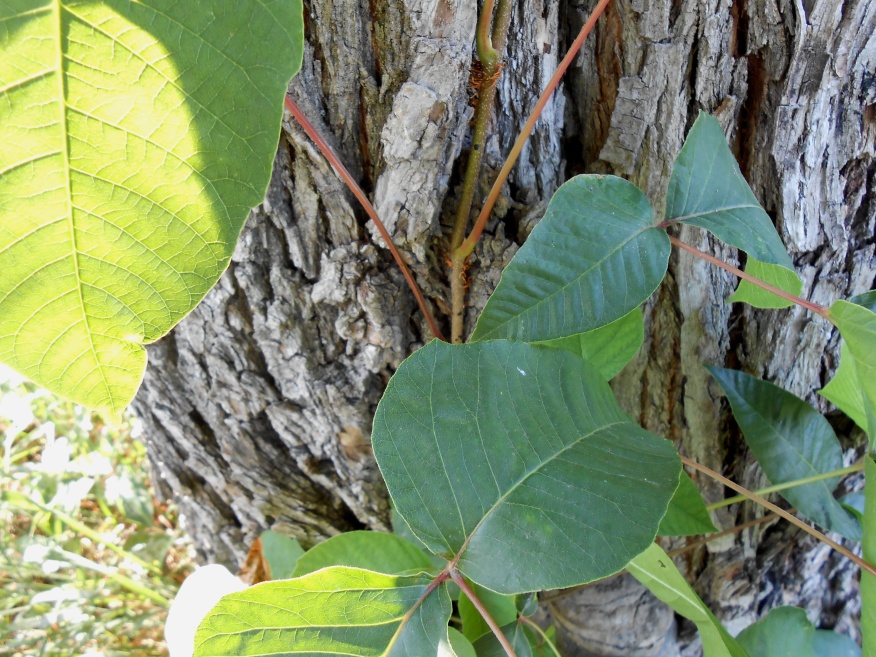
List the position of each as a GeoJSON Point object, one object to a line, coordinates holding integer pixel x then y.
{"type": "Point", "coordinates": [499, 450]}
{"type": "Point", "coordinates": [844, 389]}
{"type": "Point", "coordinates": [655, 570]}
{"type": "Point", "coordinates": [687, 514]}
{"type": "Point", "coordinates": [608, 348]}
{"type": "Point", "coordinates": [592, 259]}
{"type": "Point", "coordinates": [502, 608]}
{"type": "Point", "coordinates": [784, 632]}
{"type": "Point", "coordinates": [857, 325]}
{"type": "Point", "coordinates": [707, 189]}
{"type": "Point", "coordinates": [135, 138]}
{"type": "Point", "coordinates": [384, 553]}
{"type": "Point", "coordinates": [335, 611]}
{"type": "Point", "coordinates": [791, 441]}
{"type": "Point", "coordinates": [776, 275]}
{"type": "Point", "coordinates": [461, 646]}
{"type": "Point", "coordinates": [281, 553]}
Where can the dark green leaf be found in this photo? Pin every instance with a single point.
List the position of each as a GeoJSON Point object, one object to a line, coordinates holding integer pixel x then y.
{"type": "Point", "coordinates": [857, 325]}
{"type": "Point", "coordinates": [281, 553]}
{"type": "Point", "coordinates": [784, 632]}
{"type": "Point", "coordinates": [826, 643]}
{"type": "Point", "coordinates": [707, 189]}
{"type": "Point", "coordinates": [655, 570]}
{"type": "Point", "coordinates": [499, 450]}
{"type": "Point", "coordinates": [502, 608]}
{"type": "Point", "coordinates": [593, 258]}
{"type": "Point", "coordinates": [136, 138]}
{"type": "Point", "coordinates": [608, 348]}
{"type": "Point", "coordinates": [335, 611]}
{"type": "Point", "coordinates": [791, 441]}
{"type": "Point", "coordinates": [867, 300]}
{"type": "Point", "coordinates": [516, 633]}
{"type": "Point", "coordinates": [527, 604]}
{"type": "Point", "coordinates": [377, 551]}
{"type": "Point", "coordinates": [776, 275]}
{"type": "Point", "coordinates": [687, 514]}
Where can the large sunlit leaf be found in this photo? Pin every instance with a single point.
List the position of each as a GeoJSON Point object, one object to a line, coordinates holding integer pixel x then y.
{"type": "Point", "coordinates": [608, 348]}
{"type": "Point", "coordinates": [335, 611]}
{"type": "Point", "coordinates": [868, 545]}
{"type": "Point", "coordinates": [496, 451]}
{"type": "Point", "coordinates": [592, 259]}
{"type": "Point", "coordinates": [776, 275]}
{"type": "Point", "coordinates": [655, 570]}
{"type": "Point", "coordinates": [135, 137]}
{"type": "Point", "coordinates": [687, 514]}
{"type": "Point", "coordinates": [707, 189]}
{"type": "Point", "coordinates": [857, 325]}
{"type": "Point", "coordinates": [791, 441]}
{"type": "Point", "coordinates": [384, 553]}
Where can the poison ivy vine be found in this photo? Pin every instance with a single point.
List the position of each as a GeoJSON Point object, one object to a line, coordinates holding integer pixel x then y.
{"type": "Point", "coordinates": [137, 135]}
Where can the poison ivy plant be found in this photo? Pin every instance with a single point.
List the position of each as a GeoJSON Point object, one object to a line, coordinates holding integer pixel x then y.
{"type": "Point", "coordinates": [593, 258]}
{"type": "Point", "coordinates": [492, 451]}
{"type": "Point", "coordinates": [791, 441]}
{"type": "Point", "coordinates": [868, 545]}
{"type": "Point", "coordinates": [687, 514]}
{"type": "Point", "coordinates": [385, 553]}
{"type": "Point", "coordinates": [501, 607]}
{"type": "Point", "coordinates": [787, 632]}
{"type": "Point", "coordinates": [857, 325]}
{"type": "Point", "coordinates": [136, 136]}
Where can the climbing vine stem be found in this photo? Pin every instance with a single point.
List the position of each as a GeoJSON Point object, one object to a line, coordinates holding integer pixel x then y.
{"type": "Point", "coordinates": [329, 154]}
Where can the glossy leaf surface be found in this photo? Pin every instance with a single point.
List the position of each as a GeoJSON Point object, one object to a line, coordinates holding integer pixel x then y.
{"type": "Point", "coordinates": [384, 553]}
{"type": "Point", "coordinates": [776, 275]}
{"type": "Point", "coordinates": [593, 258]}
{"type": "Point", "coordinates": [608, 348]}
{"type": "Point", "coordinates": [499, 450]}
{"type": "Point", "coordinates": [658, 573]}
{"type": "Point", "coordinates": [336, 611]}
{"type": "Point", "coordinates": [707, 189]}
{"type": "Point", "coordinates": [135, 138]}
{"type": "Point", "coordinates": [790, 440]}
{"type": "Point", "coordinates": [687, 514]}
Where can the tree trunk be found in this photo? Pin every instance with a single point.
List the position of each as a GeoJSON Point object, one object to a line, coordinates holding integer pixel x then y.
{"type": "Point", "coordinates": [258, 406]}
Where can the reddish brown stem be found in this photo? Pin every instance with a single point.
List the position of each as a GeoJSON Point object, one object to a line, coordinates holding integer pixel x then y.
{"type": "Point", "coordinates": [341, 170]}
{"type": "Point", "coordinates": [814, 307]}
{"type": "Point", "coordinates": [503, 640]}
{"type": "Point", "coordinates": [781, 512]}
{"type": "Point", "coordinates": [468, 245]}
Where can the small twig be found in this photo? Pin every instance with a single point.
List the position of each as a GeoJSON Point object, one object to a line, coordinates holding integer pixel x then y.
{"type": "Point", "coordinates": [814, 307]}
{"type": "Point", "coordinates": [855, 467]}
{"type": "Point", "coordinates": [732, 530]}
{"type": "Point", "coordinates": [503, 640]}
{"type": "Point", "coordinates": [781, 512]}
{"type": "Point", "coordinates": [341, 170]}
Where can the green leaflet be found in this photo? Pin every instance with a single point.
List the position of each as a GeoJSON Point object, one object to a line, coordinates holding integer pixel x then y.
{"type": "Point", "coordinates": [335, 611]}
{"type": "Point", "coordinates": [501, 607]}
{"type": "Point", "coordinates": [608, 348]}
{"type": "Point", "coordinates": [500, 450]}
{"type": "Point", "coordinates": [592, 259]}
{"type": "Point", "coordinates": [776, 275]}
{"type": "Point", "coordinates": [868, 581]}
{"type": "Point", "coordinates": [787, 632]}
{"type": "Point", "coordinates": [687, 514]}
{"type": "Point", "coordinates": [135, 138]}
{"type": "Point", "coordinates": [707, 189]}
{"type": "Point", "coordinates": [461, 646]}
{"type": "Point", "coordinates": [655, 570]}
{"type": "Point", "coordinates": [790, 440]}
{"type": "Point", "coordinates": [281, 553]}
{"type": "Point", "coordinates": [857, 325]}
{"type": "Point", "coordinates": [383, 553]}
{"type": "Point", "coordinates": [844, 389]}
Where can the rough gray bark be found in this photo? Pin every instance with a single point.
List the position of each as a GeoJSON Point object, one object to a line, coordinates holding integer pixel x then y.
{"type": "Point", "coordinates": [258, 406]}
